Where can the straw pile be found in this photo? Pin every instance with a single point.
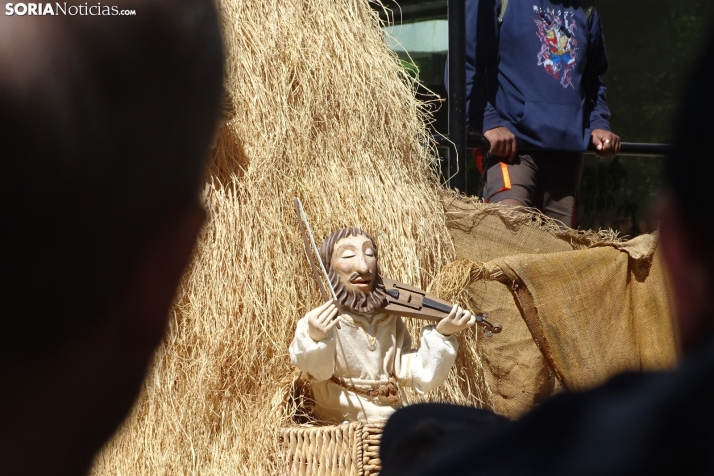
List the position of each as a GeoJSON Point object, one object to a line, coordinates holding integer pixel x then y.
{"type": "Point", "coordinates": [325, 113]}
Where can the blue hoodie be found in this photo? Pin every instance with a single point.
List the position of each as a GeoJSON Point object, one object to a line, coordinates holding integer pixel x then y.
{"type": "Point", "coordinates": [545, 86]}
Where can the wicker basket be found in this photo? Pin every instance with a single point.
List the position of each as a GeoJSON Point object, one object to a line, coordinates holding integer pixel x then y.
{"type": "Point", "coordinates": [348, 449]}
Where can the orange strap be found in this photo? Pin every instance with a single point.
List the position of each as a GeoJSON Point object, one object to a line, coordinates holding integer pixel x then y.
{"type": "Point", "coordinates": [506, 178]}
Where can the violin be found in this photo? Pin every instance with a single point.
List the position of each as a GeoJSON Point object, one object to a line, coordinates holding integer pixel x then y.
{"type": "Point", "coordinates": [408, 301]}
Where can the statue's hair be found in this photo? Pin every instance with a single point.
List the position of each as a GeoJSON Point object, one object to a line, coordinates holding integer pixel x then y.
{"type": "Point", "coordinates": [362, 303]}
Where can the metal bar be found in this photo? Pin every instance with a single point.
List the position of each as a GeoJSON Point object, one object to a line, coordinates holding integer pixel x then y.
{"type": "Point", "coordinates": [626, 149]}
{"type": "Point", "coordinates": [456, 12]}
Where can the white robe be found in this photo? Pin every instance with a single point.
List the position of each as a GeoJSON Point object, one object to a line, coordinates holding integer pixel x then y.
{"type": "Point", "coordinates": [364, 353]}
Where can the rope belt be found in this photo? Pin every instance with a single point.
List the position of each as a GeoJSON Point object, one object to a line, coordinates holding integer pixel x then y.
{"type": "Point", "coordinates": [390, 390]}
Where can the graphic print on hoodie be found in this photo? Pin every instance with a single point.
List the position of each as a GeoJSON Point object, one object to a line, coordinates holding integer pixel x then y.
{"type": "Point", "coordinates": [559, 51]}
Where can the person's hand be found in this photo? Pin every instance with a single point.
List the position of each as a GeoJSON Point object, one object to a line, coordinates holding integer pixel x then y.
{"type": "Point", "coordinates": [503, 143]}
{"type": "Point", "coordinates": [321, 320]}
{"type": "Point", "coordinates": [457, 320]}
{"type": "Point", "coordinates": [606, 143]}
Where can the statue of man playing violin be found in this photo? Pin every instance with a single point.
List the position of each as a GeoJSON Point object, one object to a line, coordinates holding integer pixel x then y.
{"type": "Point", "coordinates": [357, 357]}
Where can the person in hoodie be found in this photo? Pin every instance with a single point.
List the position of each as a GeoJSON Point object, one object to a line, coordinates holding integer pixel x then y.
{"type": "Point", "coordinates": [534, 78]}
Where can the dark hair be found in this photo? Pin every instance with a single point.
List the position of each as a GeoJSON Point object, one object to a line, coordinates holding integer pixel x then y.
{"type": "Point", "coordinates": [104, 129]}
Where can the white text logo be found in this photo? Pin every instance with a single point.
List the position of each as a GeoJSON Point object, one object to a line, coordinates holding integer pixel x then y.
{"type": "Point", "coordinates": [58, 8]}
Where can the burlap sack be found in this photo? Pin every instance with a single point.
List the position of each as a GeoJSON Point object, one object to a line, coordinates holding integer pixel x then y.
{"type": "Point", "coordinates": [483, 232]}
{"type": "Point", "coordinates": [517, 374]}
{"type": "Point", "coordinates": [576, 307]}
{"type": "Point", "coordinates": [597, 312]}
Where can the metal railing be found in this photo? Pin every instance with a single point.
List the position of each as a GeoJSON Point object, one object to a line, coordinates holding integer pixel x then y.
{"type": "Point", "coordinates": [627, 148]}
{"type": "Point", "coordinates": [456, 12]}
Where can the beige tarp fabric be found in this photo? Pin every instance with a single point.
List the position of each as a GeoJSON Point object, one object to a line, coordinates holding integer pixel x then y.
{"type": "Point", "coordinates": [576, 308]}
{"type": "Point", "coordinates": [596, 312]}
{"type": "Point", "coordinates": [514, 369]}
{"type": "Point", "coordinates": [484, 232]}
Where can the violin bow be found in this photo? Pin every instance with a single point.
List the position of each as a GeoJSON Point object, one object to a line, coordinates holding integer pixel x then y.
{"type": "Point", "coordinates": [308, 239]}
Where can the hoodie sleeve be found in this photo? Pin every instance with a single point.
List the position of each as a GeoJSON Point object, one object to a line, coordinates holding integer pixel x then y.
{"type": "Point", "coordinates": [314, 358]}
{"type": "Point", "coordinates": [481, 64]}
{"type": "Point", "coordinates": [596, 68]}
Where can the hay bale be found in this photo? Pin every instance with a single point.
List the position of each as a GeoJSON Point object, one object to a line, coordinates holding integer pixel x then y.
{"type": "Point", "coordinates": [324, 112]}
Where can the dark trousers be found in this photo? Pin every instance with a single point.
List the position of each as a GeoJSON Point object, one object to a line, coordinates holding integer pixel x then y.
{"type": "Point", "coordinates": [546, 181]}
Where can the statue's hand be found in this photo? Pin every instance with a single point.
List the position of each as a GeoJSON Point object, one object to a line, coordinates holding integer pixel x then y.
{"type": "Point", "coordinates": [321, 320]}
{"type": "Point", "coordinates": [457, 320]}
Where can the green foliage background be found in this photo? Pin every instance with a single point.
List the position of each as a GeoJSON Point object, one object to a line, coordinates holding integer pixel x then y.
{"type": "Point", "coordinates": [652, 47]}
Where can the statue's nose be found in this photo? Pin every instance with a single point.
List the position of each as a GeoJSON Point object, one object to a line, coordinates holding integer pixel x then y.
{"type": "Point", "coordinates": [362, 267]}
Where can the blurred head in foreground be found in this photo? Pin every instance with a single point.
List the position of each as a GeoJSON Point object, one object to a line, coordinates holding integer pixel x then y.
{"type": "Point", "coordinates": [687, 228]}
{"type": "Point", "coordinates": [105, 123]}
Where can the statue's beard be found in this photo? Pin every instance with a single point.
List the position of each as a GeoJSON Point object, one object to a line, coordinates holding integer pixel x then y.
{"type": "Point", "coordinates": [357, 301]}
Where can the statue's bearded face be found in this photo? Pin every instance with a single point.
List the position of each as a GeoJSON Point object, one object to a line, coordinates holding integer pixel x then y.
{"type": "Point", "coordinates": [351, 258]}
{"type": "Point", "coordinates": [355, 263]}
